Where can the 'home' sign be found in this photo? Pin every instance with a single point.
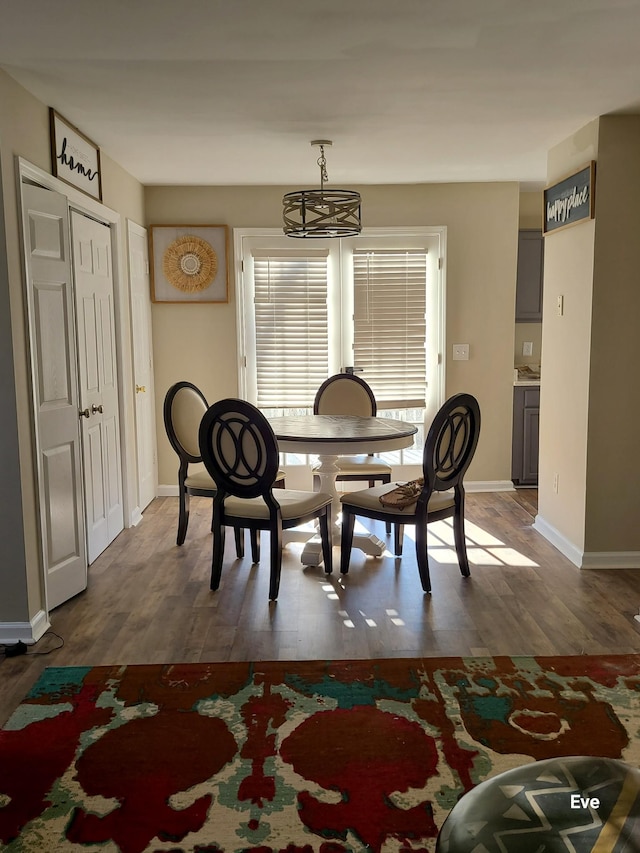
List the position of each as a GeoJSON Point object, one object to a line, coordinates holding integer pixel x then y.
{"type": "Point", "coordinates": [570, 200]}
{"type": "Point", "coordinates": [74, 157]}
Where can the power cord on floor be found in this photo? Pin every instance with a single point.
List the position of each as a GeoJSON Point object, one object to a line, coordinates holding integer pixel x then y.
{"type": "Point", "coordinates": [13, 650]}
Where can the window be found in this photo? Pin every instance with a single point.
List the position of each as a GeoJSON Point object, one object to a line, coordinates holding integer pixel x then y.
{"type": "Point", "coordinates": [373, 302]}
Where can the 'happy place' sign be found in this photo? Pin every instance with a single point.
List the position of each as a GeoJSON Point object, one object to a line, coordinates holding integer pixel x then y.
{"type": "Point", "coordinates": [570, 200]}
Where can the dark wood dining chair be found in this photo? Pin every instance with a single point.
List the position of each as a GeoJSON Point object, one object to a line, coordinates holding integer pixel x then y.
{"type": "Point", "coordinates": [451, 443]}
{"type": "Point", "coordinates": [240, 452]}
{"type": "Point", "coordinates": [184, 408]}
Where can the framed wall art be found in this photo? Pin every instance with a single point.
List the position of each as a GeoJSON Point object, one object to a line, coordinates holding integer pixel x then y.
{"type": "Point", "coordinates": [189, 263]}
{"type": "Point", "coordinates": [570, 200]}
{"type": "Point", "coordinates": [75, 159]}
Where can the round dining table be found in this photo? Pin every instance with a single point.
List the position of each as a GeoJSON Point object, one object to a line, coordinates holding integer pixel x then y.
{"type": "Point", "coordinates": [330, 436]}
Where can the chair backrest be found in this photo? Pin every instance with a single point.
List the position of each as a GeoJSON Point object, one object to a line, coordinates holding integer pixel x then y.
{"type": "Point", "coordinates": [451, 442]}
{"type": "Point", "coordinates": [239, 449]}
{"type": "Point", "coordinates": [344, 394]}
{"type": "Point", "coordinates": [184, 408]}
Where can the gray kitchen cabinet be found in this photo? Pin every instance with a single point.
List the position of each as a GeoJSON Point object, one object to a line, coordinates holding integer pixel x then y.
{"type": "Point", "coordinates": [526, 419]}
{"type": "Point", "coordinates": [529, 276]}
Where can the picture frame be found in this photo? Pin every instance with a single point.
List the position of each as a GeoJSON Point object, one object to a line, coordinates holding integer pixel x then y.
{"type": "Point", "coordinates": [75, 159]}
{"type": "Point", "coordinates": [189, 263]}
{"type": "Point", "coordinates": [570, 200]}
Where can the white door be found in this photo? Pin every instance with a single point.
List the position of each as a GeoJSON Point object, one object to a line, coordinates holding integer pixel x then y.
{"type": "Point", "coordinates": [97, 375]}
{"type": "Point", "coordinates": [56, 403]}
{"type": "Point", "coordinates": [143, 364]}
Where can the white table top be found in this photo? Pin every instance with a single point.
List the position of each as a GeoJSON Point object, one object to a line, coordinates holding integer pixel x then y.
{"type": "Point", "coordinates": [341, 434]}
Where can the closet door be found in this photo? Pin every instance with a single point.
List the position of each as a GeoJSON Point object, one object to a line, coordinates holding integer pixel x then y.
{"type": "Point", "coordinates": [97, 375]}
{"type": "Point", "coordinates": [55, 392]}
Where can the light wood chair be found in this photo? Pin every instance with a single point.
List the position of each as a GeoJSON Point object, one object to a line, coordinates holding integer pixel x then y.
{"type": "Point", "coordinates": [240, 452]}
{"type": "Point", "coordinates": [451, 443]}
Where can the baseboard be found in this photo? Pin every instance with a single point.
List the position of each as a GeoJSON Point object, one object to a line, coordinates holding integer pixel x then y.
{"type": "Point", "coordinates": [586, 559]}
{"type": "Point", "coordinates": [489, 486]}
{"type": "Point", "coordinates": [26, 632]}
{"type": "Point", "coordinates": [168, 491]}
{"type": "Point", "coordinates": [136, 517]}
{"type": "Point", "coordinates": [558, 540]}
{"type": "Point", "coordinates": [611, 560]}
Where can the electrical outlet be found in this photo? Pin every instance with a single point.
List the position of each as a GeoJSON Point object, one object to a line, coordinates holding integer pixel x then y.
{"type": "Point", "coordinates": [527, 348]}
{"type": "Point", "coordinates": [555, 483]}
{"type": "Point", "coordinates": [461, 352]}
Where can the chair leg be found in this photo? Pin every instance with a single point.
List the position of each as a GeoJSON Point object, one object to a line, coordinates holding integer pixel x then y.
{"type": "Point", "coordinates": [255, 545]}
{"type": "Point", "coordinates": [422, 557]}
{"type": "Point", "coordinates": [238, 534]}
{"type": "Point", "coordinates": [461, 545]}
{"type": "Point", "coordinates": [327, 544]}
{"type": "Point", "coordinates": [218, 555]}
{"type": "Point", "coordinates": [398, 539]}
{"type": "Point", "coordinates": [183, 516]}
{"type": "Point", "coordinates": [276, 560]}
{"type": "Point", "coordinates": [346, 540]}
{"type": "Point", "coordinates": [388, 528]}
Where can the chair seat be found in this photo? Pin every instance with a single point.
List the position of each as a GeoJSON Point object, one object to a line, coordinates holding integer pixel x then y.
{"type": "Point", "coordinates": [199, 480]}
{"type": "Point", "coordinates": [293, 504]}
{"type": "Point", "coordinates": [365, 465]}
{"type": "Point", "coordinates": [202, 480]}
{"type": "Point", "coordinates": [370, 499]}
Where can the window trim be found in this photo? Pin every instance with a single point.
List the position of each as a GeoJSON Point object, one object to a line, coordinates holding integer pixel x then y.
{"type": "Point", "coordinates": [436, 237]}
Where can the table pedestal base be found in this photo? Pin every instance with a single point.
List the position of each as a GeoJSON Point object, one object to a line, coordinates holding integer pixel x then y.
{"type": "Point", "coordinates": [366, 542]}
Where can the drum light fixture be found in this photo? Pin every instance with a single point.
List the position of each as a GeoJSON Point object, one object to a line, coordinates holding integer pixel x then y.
{"type": "Point", "coordinates": [322, 212]}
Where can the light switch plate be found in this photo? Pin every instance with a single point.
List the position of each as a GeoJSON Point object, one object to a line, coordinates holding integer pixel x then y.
{"type": "Point", "coordinates": [527, 348]}
{"type": "Point", "coordinates": [461, 352]}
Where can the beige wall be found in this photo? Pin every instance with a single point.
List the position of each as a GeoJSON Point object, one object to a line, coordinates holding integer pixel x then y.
{"type": "Point", "coordinates": [529, 216]}
{"type": "Point", "coordinates": [613, 461]}
{"type": "Point", "coordinates": [566, 344]}
{"type": "Point", "coordinates": [199, 342]}
{"type": "Point", "coordinates": [24, 132]}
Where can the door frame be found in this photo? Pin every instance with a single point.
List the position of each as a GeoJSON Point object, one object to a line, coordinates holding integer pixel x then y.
{"type": "Point", "coordinates": [77, 200]}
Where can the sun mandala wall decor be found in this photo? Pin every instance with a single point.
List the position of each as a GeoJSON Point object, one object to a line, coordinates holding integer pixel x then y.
{"type": "Point", "coordinates": [189, 263]}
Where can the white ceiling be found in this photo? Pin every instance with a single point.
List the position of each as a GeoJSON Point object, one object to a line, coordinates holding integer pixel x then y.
{"type": "Point", "coordinates": [232, 91]}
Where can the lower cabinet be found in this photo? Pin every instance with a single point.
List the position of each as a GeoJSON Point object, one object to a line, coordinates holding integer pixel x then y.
{"type": "Point", "coordinates": [526, 418]}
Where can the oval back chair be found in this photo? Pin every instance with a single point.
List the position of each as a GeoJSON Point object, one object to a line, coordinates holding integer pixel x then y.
{"type": "Point", "coordinates": [240, 452]}
{"type": "Point", "coordinates": [449, 448]}
{"type": "Point", "coordinates": [346, 394]}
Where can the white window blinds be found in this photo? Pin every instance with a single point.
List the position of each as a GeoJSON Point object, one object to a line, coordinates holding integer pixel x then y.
{"type": "Point", "coordinates": [292, 354]}
{"type": "Point", "coordinates": [390, 324]}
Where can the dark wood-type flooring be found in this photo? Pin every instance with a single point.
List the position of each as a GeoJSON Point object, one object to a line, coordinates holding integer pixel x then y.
{"type": "Point", "coordinates": [149, 601]}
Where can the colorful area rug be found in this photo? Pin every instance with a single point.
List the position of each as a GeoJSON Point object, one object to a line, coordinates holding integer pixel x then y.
{"type": "Point", "coordinates": [295, 757]}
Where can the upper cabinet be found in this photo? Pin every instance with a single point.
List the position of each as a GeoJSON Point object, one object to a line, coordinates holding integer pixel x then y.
{"type": "Point", "coordinates": [529, 276]}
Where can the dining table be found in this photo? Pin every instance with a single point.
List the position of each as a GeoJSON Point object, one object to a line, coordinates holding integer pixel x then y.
{"type": "Point", "coordinates": [331, 436]}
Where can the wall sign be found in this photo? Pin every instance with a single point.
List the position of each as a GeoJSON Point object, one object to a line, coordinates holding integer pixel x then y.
{"type": "Point", "coordinates": [571, 200]}
{"type": "Point", "coordinates": [74, 157]}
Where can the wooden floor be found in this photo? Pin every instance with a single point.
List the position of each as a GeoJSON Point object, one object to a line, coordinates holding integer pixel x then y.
{"type": "Point", "coordinates": [149, 601]}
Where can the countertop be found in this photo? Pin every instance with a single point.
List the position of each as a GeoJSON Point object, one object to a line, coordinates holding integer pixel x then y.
{"type": "Point", "coordinates": [526, 375]}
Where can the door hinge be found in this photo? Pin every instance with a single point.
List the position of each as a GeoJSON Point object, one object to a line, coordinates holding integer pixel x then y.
{"type": "Point", "coordinates": [440, 260]}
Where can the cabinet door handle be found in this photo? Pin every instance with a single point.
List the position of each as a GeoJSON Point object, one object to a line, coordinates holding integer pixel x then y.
{"type": "Point", "coordinates": [95, 408]}
{"type": "Point", "coordinates": [84, 413]}
{"type": "Point", "coordinates": [141, 389]}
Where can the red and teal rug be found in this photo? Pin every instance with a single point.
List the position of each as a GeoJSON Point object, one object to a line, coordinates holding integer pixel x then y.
{"type": "Point", "coordinates": [294, 757]}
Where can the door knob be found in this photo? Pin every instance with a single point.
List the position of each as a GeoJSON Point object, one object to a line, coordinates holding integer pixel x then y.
{"type": "Point", "coordinates": [141, 389]}
{"type": "Point", "coordinates": [95, 408]}
{"type": "Point", "coordinates": [84, 413]}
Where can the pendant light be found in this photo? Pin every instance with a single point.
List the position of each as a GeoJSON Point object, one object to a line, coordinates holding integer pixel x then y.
{"type": "Point", "coordinates": [322, 212]}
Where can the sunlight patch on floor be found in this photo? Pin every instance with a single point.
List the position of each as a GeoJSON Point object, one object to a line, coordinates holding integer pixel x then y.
{"type": "Point", "coordinates": [483, 548]}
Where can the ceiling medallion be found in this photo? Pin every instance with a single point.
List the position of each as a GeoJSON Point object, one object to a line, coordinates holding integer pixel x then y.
{"type": "Point", "coordinates": [322, 212]}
